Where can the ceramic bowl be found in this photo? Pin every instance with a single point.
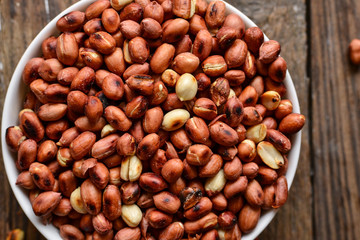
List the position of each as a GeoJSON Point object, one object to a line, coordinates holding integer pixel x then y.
{"type": "Point", "coordinates": [14, 100]}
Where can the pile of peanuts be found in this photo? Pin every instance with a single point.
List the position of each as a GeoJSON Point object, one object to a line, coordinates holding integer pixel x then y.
{"type": "Point", "coordinates": [154, 120]}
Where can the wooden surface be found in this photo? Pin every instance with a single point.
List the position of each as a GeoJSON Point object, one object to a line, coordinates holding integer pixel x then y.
{"type": "Point", "coordinates": [324, 201]}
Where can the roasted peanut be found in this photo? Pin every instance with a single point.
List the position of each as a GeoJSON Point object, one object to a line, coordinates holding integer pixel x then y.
{"type": "Point", "coordinates": [202, 44]}
{"type": "Point", "coordinates": [128, 233]}
{"type": "Point", "coordinates": [185, 63]}
{"type": "Point", "coordinates": [175, 30]}
{"type": "Point", "coordinates": [292, 123]}
{"type": "Point", "coordinates": [117, 118]}
{"type": "Point", "coordinates": [279, 140]}
{"type": "Point", "coordinates": [174, 231]}
{"type": "Point", "coordinates": [205, 223]}
{"type": "Point", "coordinates": [212, 167]}
{"type": "Point", "coordinates": [137, 107]}
{"type": "Point", "coordinates": [223, 134]}
{"type": "Point", "coordinates": [152, 183]}
{"type": "Point", "coordinates": [354, 51]}
{"type": "Point", "coordinates": [154, 10]}
{"type": "Point", "coordinates": [248, 218]}
{"type": "Point", "coordinates": [148, 146]}
{"type": "Point", "coordinates": [42, 176]}
{"type": "Point", "coordinates": [184, 9]}
{"type": "Point", "coordinates": [172, 170]}
{"type": "Point", "coordinates": [26, 154]}
{"type": "Point", "coordinates": [214, 66]}
{"type": "Point", "coordinates": [234, 187]}
{"type": "Point", "coordinates": [31, 70]}
{"type": "Point", "coordinates": [233, 169]}
{"type": "Point", "coordinates": [167, 202]}
{"type": "Point", "coordinates": [235, 55]}
{"type": "Point", "coordinates": [31, 125]}
{"type": "Point", "coordinates": [67, 48]}
{"type": "Point", "coordinates": [205, 108]}
{"type": "Point", "coordinates": [46, 202]}
{"type": "Point", "coordinates": [115, 62]}
{"type": "Point", "coordinates": [130, 192]}
{"type": "Point", "coordinates": [68, 231]}
{"type": "Point", "coordinates": [162, 58]}
{"type": "Point", "coordinates": [25, 180]}
{"type": "Point", "coordinates": [14, 137]}
{"type": "Point", "coordinates": [269, 51]}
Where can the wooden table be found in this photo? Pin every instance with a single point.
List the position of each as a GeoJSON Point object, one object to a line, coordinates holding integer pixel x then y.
{"type": "Point", "coordinates": [324, 201]}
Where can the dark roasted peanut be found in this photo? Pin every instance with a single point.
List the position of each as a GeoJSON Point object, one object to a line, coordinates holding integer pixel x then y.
{"type": "Point", "coordinates": [205, 108]}
{"type": "Point", "coordinates": [71, 21]}
{"type": "Point", "coordinates": [222, 134]}
{"type": "Point", "coordinates": [174, 231]}
{"type": "Point", "coordinates": [83, 80]}
{"type": "Point", "coordinates": [175, 30]}
{"type": "Point", "coordinates": [285, 108]}
{"type": "Point", "coordinates": [25, 180]}
{"type": "Point", "coordinates": [158, 219]}
{"type": "Point", "coordinates": [234, 112]}
{"type": "Point", "coordinates": [67, 50]}
{"type": "Point", "coordinates": [81, 145]}
{"type": "Point", "coordinates": [281, 192]}
{"type": "Point", "coordinates": [277, 70]}
{"type": "Point", "coordinates": [148, 146]}
{"type": "Point", "coordinates": [219, 91]}
{"type": "Point", "coordinates": [141, 83]}
{"type": "Point", "coordinates": [184, 9]}
{"type": "Point", "coordinates": [167, 202]}
{"type": "Point", "coordinates": [227, 220]}
{"type": "Point", "coordinates": [91, 197]}
{"type": "Point", "coordinates": [66, 75]}
{"type": "Point", "coordinates": [154, 10]}
{"type": "Point", "coordinates": [185, 63]}
{"type": "Point", "coordinates": [31, 125]}
{"type": "Point", "coordinates": [91, 58]}
{"type": "Point", "coordinates": [172, 170]}
{"type": "Point", "coordinates": [42, 176]}
{"type": "Point", "coordinates": [292, 123]}
{"type": "Point", "coordinates": [183, 45]}
{"type": "Point", "coordinates": [254, 37]}
{"type": "Point", "coordinates": [215, 14]}
{"type": "Point", "coordinates": [200, 209]}
{"type": "Point", "coordinates": [226, 37]}
{"type": "Point", "coordinates": [235, 56]}
{"type": "Point", "coordinates": [117, 118]}
{"type": "Point", "coordinates": [205, 223]}
{"type": "Point", "coordinates": [269, 51]}
{"type": "Point", "coordinates": [233, 169]}
{"type": "Point", "coordinates": [202, 44]}
{"type": "Point", "coordinates": [26, 154]}
{"type": "Point", "coordinates": [248, 218]}
{"type": "Point", "coordinates": [48, 47]}
{"type": "Point", "coordinates": [354, 51]}
{"type": "Point", "coordinates": [151, 182]}
{"type": "Point", "coordinates": [128, 234]}
{"type": "Point", "coordinates": [14, 137]}
{"type": "Point", "coordinates": [130, 192]}
{"type": "Point", "coordinates": [102, 42]}
{"type": "Point", "coordinates": [279, 140]}
{"type": "Point", "coordinates": [67, 183]}
{"type": "Point", "coordinates": [31, 70]}
{"type": "Point", "coordinates": [212, 167]}
{"type": "Point", "coordinates": [234, 21]}
{"type": "Point", "coordinates": [46, 202]}
{"type": "Point", "coordinates": [126, 145]}
{"type": "Point", "coordinates": [214, 66]}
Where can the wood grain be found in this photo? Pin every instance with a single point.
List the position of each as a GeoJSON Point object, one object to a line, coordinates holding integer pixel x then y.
{"type": "Point", "coordinates": [335, 92]}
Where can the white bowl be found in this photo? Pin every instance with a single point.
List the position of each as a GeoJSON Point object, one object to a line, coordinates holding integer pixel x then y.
{"type": "Point", "coordinates": [14, 101]}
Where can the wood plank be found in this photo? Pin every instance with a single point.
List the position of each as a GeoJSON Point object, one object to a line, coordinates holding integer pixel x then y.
{"type": "Point", "coordinates": [21, 20]}
{"type": "Point", "coordinates": [335, 119]}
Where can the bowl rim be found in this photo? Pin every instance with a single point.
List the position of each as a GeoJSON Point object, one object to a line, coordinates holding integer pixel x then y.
{"type": "Point", "coordinates": [16, 89]}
